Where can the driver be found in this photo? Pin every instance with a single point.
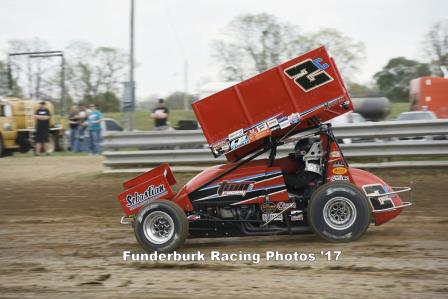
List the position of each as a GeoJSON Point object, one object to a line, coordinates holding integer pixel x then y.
{"type": "Point", "coordinates": [302, 178]}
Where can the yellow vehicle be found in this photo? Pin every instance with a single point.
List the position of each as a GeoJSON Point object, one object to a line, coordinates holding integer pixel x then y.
{"type": "Point", "coordinates": [17, 126]}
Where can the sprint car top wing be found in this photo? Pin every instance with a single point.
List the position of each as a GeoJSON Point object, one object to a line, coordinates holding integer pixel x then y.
{"type": "Point", "coordinates": [291, 96]}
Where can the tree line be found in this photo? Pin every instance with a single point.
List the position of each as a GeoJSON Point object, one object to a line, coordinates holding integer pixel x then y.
{"type": "Point", "coordinates": [253, 43]}
{"type": "Point", "coordinates": [92, 75]}
{"type": "Point", "coordinates": [250, 44]}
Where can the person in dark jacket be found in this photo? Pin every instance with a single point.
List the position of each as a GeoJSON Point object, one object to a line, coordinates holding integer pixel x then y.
{"type": "Point", "coordinates": [82, 118]}
{"type": "Point", "coordinates": [42, 116]}
{"type": "Point", "coordinates": [74, 121]}
{"type": "Point", "coordinates": [160, 116]}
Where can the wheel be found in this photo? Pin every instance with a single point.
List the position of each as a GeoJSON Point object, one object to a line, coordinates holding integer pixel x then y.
{"type": "Point", "coordinates": [58, 141]}
{"type": "Point", "coordinates": [24, 150]}
{"type": "Point", "coordinates": [339, 212]}
{"type": "Point", "coordinates": [161, 226]}
{"type": "Point", "coordinates": [3, 151]}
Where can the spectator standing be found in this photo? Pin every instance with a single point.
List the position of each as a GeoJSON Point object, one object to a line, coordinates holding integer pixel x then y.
{"type": "Point", "coordinates": [160, 116]}
{"type": "Point", "coordinates": [42, 116]}
{"type": "Point", "coordinates": [82, 119]}
{"type": "Point", "coordinates": [73, 119]}
{"type": "Point", "coordinates": [94, 126]}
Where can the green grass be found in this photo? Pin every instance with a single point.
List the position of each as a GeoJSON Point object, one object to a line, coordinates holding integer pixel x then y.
{"type": "Point", "coordinates": [398, 108]}
{"type": "Point", "coordinates": [143, 122]}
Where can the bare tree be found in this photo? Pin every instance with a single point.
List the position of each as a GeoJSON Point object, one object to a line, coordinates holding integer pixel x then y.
{"type": "Point", "coordinates": [255, 43]}
{"type": "Point", "coordinates": [436, 44]}
{"type": "Point", "coordinates": [79, 70]}
{"type": "Point", "coordinates": [347, 53]}
{"type": "Point", "coordinates": [37, 72]}
{"type": "Point", "coordinates": [4, 81]}
{"type": "Point", "coordinates": [112, 64]}
{"type": "Point", "coordinates": [94, 71]}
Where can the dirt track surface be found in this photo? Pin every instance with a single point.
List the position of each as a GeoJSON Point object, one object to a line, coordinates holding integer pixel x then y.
{"type": "Point", "coordinates": [60, 238]}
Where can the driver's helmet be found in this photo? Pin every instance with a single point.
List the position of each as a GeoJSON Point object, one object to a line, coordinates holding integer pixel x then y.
{"type": "Point", "coordinates": [302, 147]}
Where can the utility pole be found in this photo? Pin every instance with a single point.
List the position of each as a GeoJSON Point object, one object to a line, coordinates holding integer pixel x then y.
{"type": "Point", "coordinates": [130, 112]}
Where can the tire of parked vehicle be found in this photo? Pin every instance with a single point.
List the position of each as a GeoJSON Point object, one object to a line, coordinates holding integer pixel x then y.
{"type": "Point", "coordinates": [2, 147]}
{"type": "Point", "coordinates": [339, 212]}
{"type": "Point", "coordinates": [58, 142]}
{"type": "Point", "coordinates": [161, 226]}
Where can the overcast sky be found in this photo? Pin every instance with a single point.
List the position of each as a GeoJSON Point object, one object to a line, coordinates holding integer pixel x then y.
{"type": "Point", "coordinates": [171, 31]}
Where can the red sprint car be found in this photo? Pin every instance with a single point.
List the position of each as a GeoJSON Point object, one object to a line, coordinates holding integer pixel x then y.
{"type": "Point", "coordinates": [260, 192]}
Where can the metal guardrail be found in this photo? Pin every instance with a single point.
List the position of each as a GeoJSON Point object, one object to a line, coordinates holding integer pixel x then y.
{"type": "Point", "coordinates": [151, 156]}
{"type": "Point", "coordinates": [386, 129]}
{"type": "Point", "coordinates": [203, 156]}
{"type": "Point", "coordinates": [152, 139]}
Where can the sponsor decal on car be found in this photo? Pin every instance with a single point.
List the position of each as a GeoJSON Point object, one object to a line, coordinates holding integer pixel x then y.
{"type": "Point", "coordinates": [273, 124]}
{"type": "Point", "coordinates": [236, 134]}
{"type": "Point", "coordinates": [296, 215]}
{"type": "Point", "coordinates": [268, 207]}
{"type": "Point", "coordinates": [284, 122]}
{"type": "Point", "coordinates": [283, 205]}
{"type": "Point", "coordinates": [151, 193]}
{"type": "Point", "coordinates": [297, 218]}
{"type": "Point", "coordinates": [338, 163]}
{"type": "Point", "coordinates": [335, 154]}
{"type": "Point", "coordinates": [262, 127]}
{"type": "Point", "coordinates": [339, 170]}
{"type": "Point", "coordinates": [339, 178]}
{"type": "Point", "coordinates": [260, 131]}
{"type": "Point", "coordinates": [236, 143]}
{"type": "Point", "coordinates": [294, 118]}
{"type": "Point", "coordinates": [258, 135]}
{"type": "Point", "coordinates": [270, 217]}
{"type": "Point", "coordinates": [240, 188]}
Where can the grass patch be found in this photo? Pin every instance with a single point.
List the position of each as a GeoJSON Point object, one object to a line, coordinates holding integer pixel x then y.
{"type": "Point", "coordinates": [397, 108]}
{"type": "Point", "coordinates": [143, 122]}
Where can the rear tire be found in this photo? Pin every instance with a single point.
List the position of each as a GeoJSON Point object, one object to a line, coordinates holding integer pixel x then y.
{"type": "Point", "coordinates": [339, 212]}
{"type": "Point", "coordinates": [161, 226]}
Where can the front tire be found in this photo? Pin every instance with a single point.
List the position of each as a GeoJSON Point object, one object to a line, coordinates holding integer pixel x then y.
{"type": "Point", "coordinates": [161, 226]}
{"type": "Point", "coordinates": [339, 212]}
